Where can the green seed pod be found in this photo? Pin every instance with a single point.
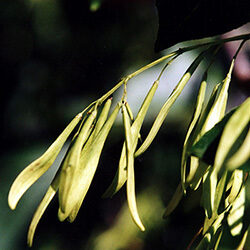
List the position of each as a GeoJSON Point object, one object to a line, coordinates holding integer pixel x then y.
{"type": "Point", "coordinates": [189, 137]}
{"type": "Point", "coordinates": [103, 117]}
{"type": "Point", "coordinates": [121, 174]}
{"type": "Point", "coordinates": [130, 171]}
{"type": "Point", "coordinates": [87, 167]}
{"type": "Point", "coordinates": [38, 167]}
{"type": "Point", "coordinates": [236, 213]}
{"type": "Point", "coordinates": [217, 110]}
{"type": "Point", "coordinates": [238, 179]}
{"type": "Point", "coordinates": [207, 192]}
{"type": "Point", "coordinates": [168, 104]}
{"type": "Point", "coordinates": [72, 160]}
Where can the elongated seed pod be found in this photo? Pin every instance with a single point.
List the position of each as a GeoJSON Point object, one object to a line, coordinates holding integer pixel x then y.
{"type": "Point", "coordinates": [207, 192]}
{"type": "Point", "coordinates": [189, 140]}
{"type": "Point", "coordinates": [220, 190]}
{"type": "Point", "coordinates": [130, 113]}
{"type": "Point", "coordinates": [101, 120]}
{"type": "Point", "coordinates": [168, 104]}
{"type": "Point", "coordinates": [103, 117]}
{"type": "Point", "coordinates": [38, 167]}
{"type": "Point", "coordinates": [42, 207]}
{"type": "Point", "coordinates": [234, 127]}
{"type": "Point", "coordinates": [121, 174]}
{"type": "Point", "coordinates": [87, 167]}
{"type": "Point", "coordinates": [238, 178]}
{"type": "Point", "coordinates": [236, 213]}
{"type": "Point", "coordinates": [73, 159]}
{"type": "Point", "coordinates": [217, 110]}
{"type": "Point", "coordinates": [130, 171]}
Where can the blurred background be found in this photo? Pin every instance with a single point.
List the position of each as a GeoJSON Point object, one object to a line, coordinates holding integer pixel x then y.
{"type": "Point", "coordinates": [57, 56]}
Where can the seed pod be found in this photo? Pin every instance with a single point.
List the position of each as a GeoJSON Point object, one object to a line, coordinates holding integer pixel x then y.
{"type": "Point", "coordinates": [130, 171]}
{"type": "Point", "coordinates": [235, 216]}
{"type": "Point", "coordinates": [207, 192]}
{"type": "Point", "coordinates": [130, 113]}
{"type": "Point", "coordinates": [121, 174]}
{"type": "Point", "coordinates": [217, 110]}
{"type": "Point", "coordinates": [72, 160]}
{"type": "Point", "coordinates": [168, 104]}
{"type": "Point", "coordinates": [42, 207]}
{"type": "Point", "coordinates": [38, 167]}
{"type": "Point", "coordinates": [220, 191]}
{"type": "Point", "coordinates": [103, 117]}
{"type": "Point", "coordinates": [87, 167]}
{"type": "Point", "coordinates": [238, 178]}
{"type": "Point", "coordinates": [189, 137]}
{"type": "Point", "coordinates": [69, 169]}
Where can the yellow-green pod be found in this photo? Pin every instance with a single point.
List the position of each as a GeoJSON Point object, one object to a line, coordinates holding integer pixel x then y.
{"type": "Point", "coordinates": [73, 159]}
{"type": "Point", "coordinates": [238, 179]}
{"type": "Point", "coordinates": [42, 207]}
{"type": "Point", "coordinates": [208, 192]}
{"type": "Point", "coordinates": [175, 200]}
{"type": "Point", "coordinates": [217, 110]}
{"type": "Point", "coordinates": [38, 167]}
{"type": "Point", "coordinates": [103, 117]}
{"type": "Point", "coordinates": [121, 174]}
{"type": "Point", "coordinates": [168, 104]}
{"type": "Point", "coordinates": [129, 111]}
{"type": "Point", "coordinates": [219, 190]}
{"type": "Point", "coordinates": [232, 130]}
{"type": "Point", "coordinates": [130, 171]}
{"type": "Point", "coordinates": [236, 213]}
{"type": "Point", "coordinates": [189, 138]}
{"type": "Point", "coordinates": [87, 167]}
{"type": "Point", "coordinates": [197, 177]}
{"type": "Point", "coordinates": [241, 156]}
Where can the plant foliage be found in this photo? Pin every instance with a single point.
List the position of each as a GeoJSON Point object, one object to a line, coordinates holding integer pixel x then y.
{"type": "Point", "coordinates": [215, 154]}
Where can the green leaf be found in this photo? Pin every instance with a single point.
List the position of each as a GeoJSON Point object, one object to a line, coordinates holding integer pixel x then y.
{"type": "Point", "coordinates": [205, 148]}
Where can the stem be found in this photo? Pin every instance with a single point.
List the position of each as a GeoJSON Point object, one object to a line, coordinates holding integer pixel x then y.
{"type": "Point", "coordinates": [175, 54]}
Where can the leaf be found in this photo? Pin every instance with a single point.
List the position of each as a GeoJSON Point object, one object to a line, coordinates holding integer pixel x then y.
{"type": "Point", "coordinates": [233, 129]}
{"type": "Point", "coordinates": [178, 19]}
{"type": "Point", "coordinates": [242, 156]}
{"type": "Point", "coordinates": [206, 147]}
{"type": "Point", "coordinates": [38, 167]}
